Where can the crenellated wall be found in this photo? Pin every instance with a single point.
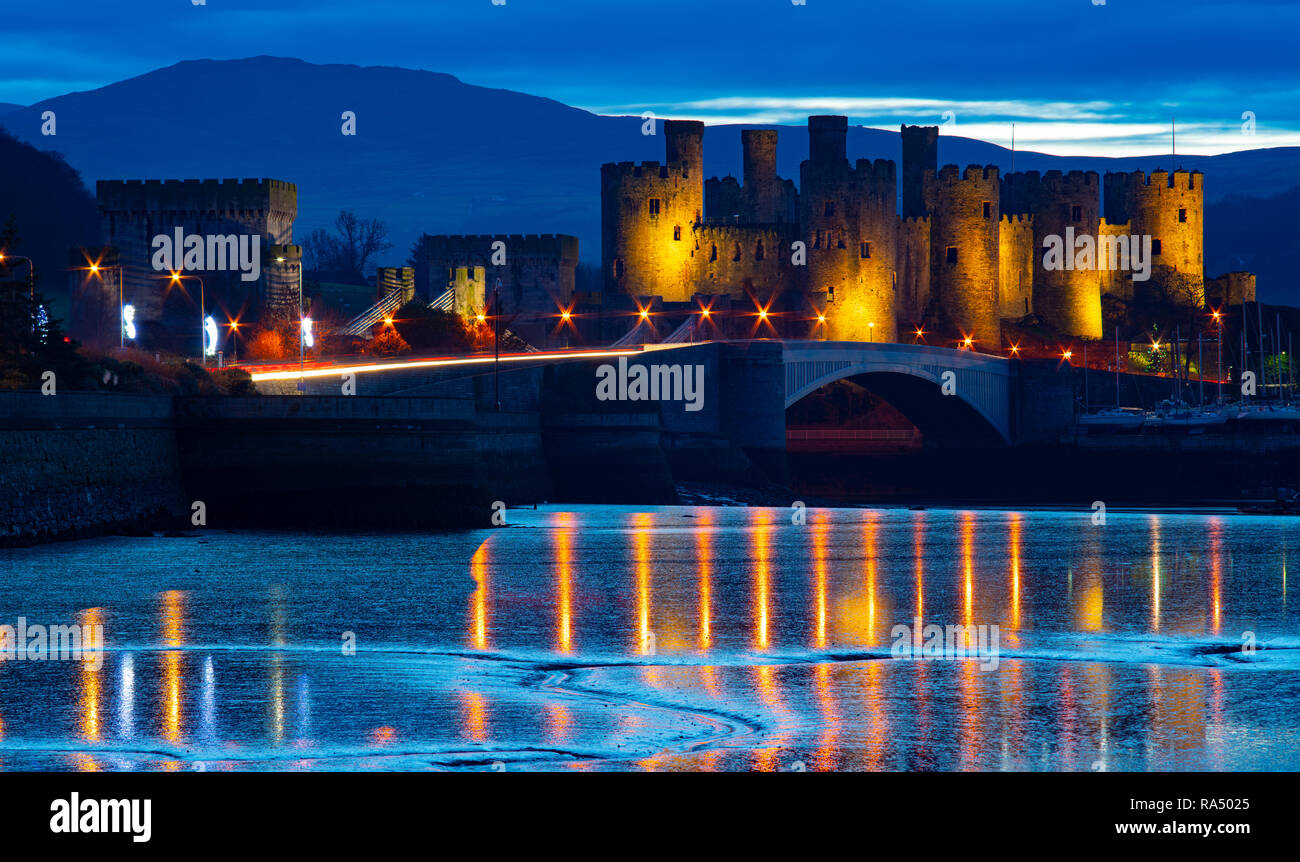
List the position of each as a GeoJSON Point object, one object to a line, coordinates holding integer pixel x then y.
{"type": "Point", "coordinates": [1065, 207]}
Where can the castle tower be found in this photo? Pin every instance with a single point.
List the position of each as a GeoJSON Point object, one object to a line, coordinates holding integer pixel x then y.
{"type": "Point", "coordinates": [1169, 208]}
{"type": "Point", "coordinates": [648, 213]}
{"type": "Point", "coordinates": [920, 154]}
{"type": "Point", "coordinates": [684, 141]}
{"type": "Point", "coordinates": [964, 241]}
{"type": "Point", "coordinates": [762, 190]}
{"type": "Point", "coordinates": [1065, 209]}
{"type": "Point", "coordinates": [848, 219]}
{"type": "Point", "coordinates": [827, 140]}
{"type": "Point", "coordinates": [222, 214]}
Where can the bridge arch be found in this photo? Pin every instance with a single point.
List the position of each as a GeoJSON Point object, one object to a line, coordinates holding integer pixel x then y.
{"type": "Point", "coordinates": [911, 378]}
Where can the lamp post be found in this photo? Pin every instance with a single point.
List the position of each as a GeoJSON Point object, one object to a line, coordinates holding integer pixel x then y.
{"type": "Point", "coordinates": [1218, 320]}
{"type": "Point", "coordinates": [177, 278]}
{"type": "Point", "coordinates": [121, 302]}
{"type": "Point", "coordinates": [496, 364]}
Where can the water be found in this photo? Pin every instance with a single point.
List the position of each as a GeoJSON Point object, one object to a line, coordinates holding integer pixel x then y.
{"type": "Point", "coordinates": [668, 638]}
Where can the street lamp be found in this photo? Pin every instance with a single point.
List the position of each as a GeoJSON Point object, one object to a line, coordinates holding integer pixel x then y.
{"type": "Point", "coordinates": [122, 323]}
{"type": "Point", "coordinates": [203, 314]}
{"type": "Point", "coordinates": [1218, 321]}
{"type": "Point", "coordinates": [234, 337]}
{"type": "Point", "coordinates": [302, 333]}
{"type": "Point", "coordinates": [871, 332]}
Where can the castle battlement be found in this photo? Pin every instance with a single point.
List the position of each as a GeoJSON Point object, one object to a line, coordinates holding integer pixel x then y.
{"type": "Point", "coordinates": [226, 195]}
{"type": "Point", "coordinates": [1018, 219]}
{"type": "Point", "coordinates": [662, 170]}
{"type": "Point", "coordinates": [1179, 179]}
{"type": "Point", "coordinates": [548, 245]}
{"type": "Point", "coordinates": [953, 174]}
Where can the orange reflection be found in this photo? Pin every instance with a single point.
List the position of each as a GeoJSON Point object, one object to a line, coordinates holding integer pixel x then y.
{"type": "Point", "coordinates": [918, 553]}
{"type": "Point", "coordinates": [877, 723]}
{"type": "Point", "coordinates": [761, 537]}
{"type": "Point", "coordinates": [641, 523]}
{"type": "Point", "coordinates": [819, 533]}
{"type": "Point", "coordinates": [704, 554]}
{"type": "Point", "coordinates": [478, 569]}
{"type": "Point", "coordinates": [869, 546]}
{"type": "Point", "coordinates": [173, 636]}
{"type": "Point", "coordinates": [824, 756]}
{"type": "Point", "coordinates": [558, 722]}
{"type": "Point", "coordinates": [968, 567]}
{"type": "Point", "coordinates": [1013, 530]}
{"type": "Point", "coordinates": [91, 618]}
{"type": "Point", "coordinates": [474, 715]}
{"type": "Point", "coordinates": [564, 581]}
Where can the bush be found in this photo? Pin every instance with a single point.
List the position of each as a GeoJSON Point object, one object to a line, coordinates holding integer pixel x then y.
{"type": "Point", "coordinates": [389, 343]}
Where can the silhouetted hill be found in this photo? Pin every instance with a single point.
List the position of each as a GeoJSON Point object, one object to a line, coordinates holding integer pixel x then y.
{"type": "Point", "coordinates": [433, 154]}
{"type": "Point", "coordinates": [1256, 234]}
{"type": "Point", "coordinates": [6, 107]}
{"type": "Point", "coordinates": [54, 210]}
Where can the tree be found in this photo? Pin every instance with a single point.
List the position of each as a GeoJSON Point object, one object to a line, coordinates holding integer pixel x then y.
{"type": "Point", "coordinates": [427, 328]}
{"type": "Point", "coordinates": [389, 343]}
{"type": "Point", "coordinates": [346, 254]}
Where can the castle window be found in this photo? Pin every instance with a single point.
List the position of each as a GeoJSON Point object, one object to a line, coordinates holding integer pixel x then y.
{"type": "Point", "coordinates": [830, 209]}
{"type": "Point", "coordinates": [713, 254]}
{"type": "Point", "coordinates": [1076, 213]}
{"type": "Point", "coordinates": [1155, 246]}
{"type": "Point", "coordinates": [677, 233]}
{"type": "Point", "coordinates": [839, 240]}
{"type": "Point", "coordinates": [758, 251]}
{"type": "Point", "coordinates": [654, 206]}
{"type": "Point", "coordinates": [736, 254]}
{"type": "Point", "coordinates": [817, 240]}
{"type": "Point", "coordinates": [1182, 215]}
{"type": "Point", "coordinates": [952, 254]}
{"type": "Point", "coordinates": [618, 267]}
{"type": "Point", "coordinates": [988, 209]}
{"type": "Point", "coordinates": [865, 250]}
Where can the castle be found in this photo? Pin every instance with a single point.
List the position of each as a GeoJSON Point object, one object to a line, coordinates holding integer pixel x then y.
{"type": "Point", "coordinates": [134, 213]}
{"type": "Point", "coordinates": [846, 262]}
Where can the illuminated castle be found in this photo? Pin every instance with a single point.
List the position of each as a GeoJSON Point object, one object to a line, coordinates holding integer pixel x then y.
{"type": "Point", "coordinates": [965, 247]}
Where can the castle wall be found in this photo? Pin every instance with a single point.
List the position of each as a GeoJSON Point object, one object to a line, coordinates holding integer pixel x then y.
{"type": "Point", "coordinates": [537, 278]}
{"type": "Point", "coordinates": [914, 291]}
{"type": "Point", "coordinates": [1068, 298]}
{"type": "Point", "coordinates": [1111, 279]}
{"type": "Point", "coordinates": [1233, 288]}
{"type": "Point", "coordinates": [1017, 256]}
{"type": "Point", "coordinates": [965, 235]}
{"type": "Point", "coordinates": [741, 260]}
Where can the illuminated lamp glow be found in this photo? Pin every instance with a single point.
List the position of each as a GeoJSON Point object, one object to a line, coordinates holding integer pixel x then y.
{"type": "Point", "coordinates": [128, 321]}
{"type": "Point", "coordinates": [308, 340]}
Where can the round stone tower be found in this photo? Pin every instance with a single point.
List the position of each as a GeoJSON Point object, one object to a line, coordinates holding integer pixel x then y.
{"type": "Point", "coordinates": [964, 232]}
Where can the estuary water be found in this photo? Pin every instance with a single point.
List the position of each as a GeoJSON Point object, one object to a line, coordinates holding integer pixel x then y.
{"type": "Point", "coordinates": [669, 638]}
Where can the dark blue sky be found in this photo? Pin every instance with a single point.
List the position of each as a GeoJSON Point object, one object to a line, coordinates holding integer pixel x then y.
{"type": "Point", "coordinates": [1075, 77]}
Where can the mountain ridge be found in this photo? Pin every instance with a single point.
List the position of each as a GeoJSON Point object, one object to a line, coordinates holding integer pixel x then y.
{"type": "Point", "coordinates": [435, 154]}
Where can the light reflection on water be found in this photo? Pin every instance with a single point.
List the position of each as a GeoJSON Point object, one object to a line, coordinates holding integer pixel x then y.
{"type": "Point", "coordinates": [676, 638]}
